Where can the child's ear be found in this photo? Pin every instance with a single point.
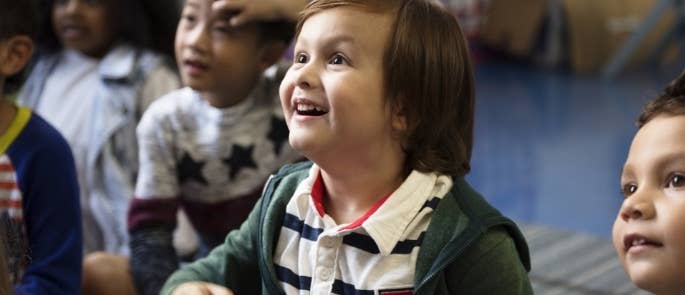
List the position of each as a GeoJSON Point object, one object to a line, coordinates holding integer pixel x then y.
{"type": "Point", "coordinates": [15, 54]}
{"type": "Point", "coordinates": [271, 53]}
{"type": "Point", "coordinates": [399, 119]}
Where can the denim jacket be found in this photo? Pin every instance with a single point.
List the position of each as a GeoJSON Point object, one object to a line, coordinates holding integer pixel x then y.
{"type": "Point", "coordinates": [112, 160]}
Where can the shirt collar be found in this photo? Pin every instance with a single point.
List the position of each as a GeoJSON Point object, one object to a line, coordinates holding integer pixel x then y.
{"type": "Point", "coordinates": [387, 222]}
{"type": "Point", "coordinates": [119, 62]}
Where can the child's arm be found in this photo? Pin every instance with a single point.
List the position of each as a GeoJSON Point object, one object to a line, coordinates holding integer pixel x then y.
{"type": "Point", "coordinates": [491, 266]}
{"type": "Point", "coordinates": [250, 10]}
{"type": "Point", "coordinates": [53, 219]}
{"type": "Point", "coordinates": [233, 264]}
{"type": "Point", "coordinates": [152, 213]}
{"type": "Point", "coordinates": [201, 288]}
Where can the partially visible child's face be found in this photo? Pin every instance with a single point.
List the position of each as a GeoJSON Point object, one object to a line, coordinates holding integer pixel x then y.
{"type": "Point", "coordinates": [332, 96]}
{"type": "Point", "coordinates": [215, 57]}
{"type": "Point", "coordinates": [15, 52]}
{"type": "Point", "coordinates": [83, 25]}
{"type": "Point", "coordinates": [649, 231]}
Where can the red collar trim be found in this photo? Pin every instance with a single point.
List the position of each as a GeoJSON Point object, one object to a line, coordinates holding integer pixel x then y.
{"type": "Point", "coordinates": [317, 195]}
{"type": "Point", "coordinates": [318, 192]}
{"type": "Point", "coordinates": [366, 215]}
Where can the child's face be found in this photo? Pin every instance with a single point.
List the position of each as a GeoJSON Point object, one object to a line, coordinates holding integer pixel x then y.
{"type": "Point", "coordinates": [83, 25]}
{"type": "Point", "coordinates": [649, 231]}
{"type": "Point", "coordinates": [333, 96]}
{"type": "Point", "coordinates": [15, 52]}
{"type": "Point", "coordinates": [215, 57]}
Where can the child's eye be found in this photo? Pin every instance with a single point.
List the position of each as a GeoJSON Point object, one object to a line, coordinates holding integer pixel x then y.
{"type": "Point", "coordinates": [628, 189]}
{"type": "Point", "coordinates": [676, 181]}
{"type": "Point", "coordinates": [221, 29]}
{"type": "Point", "coordinates": [338, 59]}
{"type": "Point", "coordinates": [189, 18]}
{"type": "Point", "coordinates": [222, 26]}
{"type": "Point", "coordinates": [301, 58]}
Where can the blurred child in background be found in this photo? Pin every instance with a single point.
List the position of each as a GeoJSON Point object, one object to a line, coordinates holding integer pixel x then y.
{"type": "Point", "coordinates": [648, 232]}
{"type": "Point", "coordinates": [93, 78]}
{"type": "Point", "coordinates": [208, 148]}
{"type": "Point", "coordinates": [40, 216]}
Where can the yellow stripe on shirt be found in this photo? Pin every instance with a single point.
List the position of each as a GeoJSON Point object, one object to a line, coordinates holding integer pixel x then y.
{"type": "Point", "coordinates": [17, 125]}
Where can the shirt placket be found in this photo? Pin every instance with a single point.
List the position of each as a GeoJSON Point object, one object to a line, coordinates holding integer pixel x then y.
{"type": "Point", "coordinates": [326, 262]}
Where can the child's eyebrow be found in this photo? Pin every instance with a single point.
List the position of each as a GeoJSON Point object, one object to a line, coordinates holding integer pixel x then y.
{"type": "Point", "coordinates": [336, 39]}
{"type": "Point", "coordinates": [626, 171]}
{"type": "Point", "coordinates": [671, 159]}
{"type": "Point", "coordinates": [328, 41]}
{"type": "Point", "coordinates": [193, 4]}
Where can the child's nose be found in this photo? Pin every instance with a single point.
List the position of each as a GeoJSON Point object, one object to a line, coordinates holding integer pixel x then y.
{"type": "Point", "coordinates": [637, 207]}
{"type": "Point", "coordinates": [307, 77]}
{"type": "Point", "coordinates": [198, 39]}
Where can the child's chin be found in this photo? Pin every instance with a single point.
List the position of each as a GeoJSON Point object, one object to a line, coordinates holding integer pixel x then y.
{"type": "Point", "coordinates": [646, 279]}
{"type": "Point", "coordinates": [304, 146]}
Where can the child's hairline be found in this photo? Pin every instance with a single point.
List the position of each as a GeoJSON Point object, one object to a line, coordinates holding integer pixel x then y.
{"type": "Point", "coordinates": [306, 14]}
{"type": "Point", "coordinates": [664, 106]}
{"type": "Point", "coordinates": [660, 115]}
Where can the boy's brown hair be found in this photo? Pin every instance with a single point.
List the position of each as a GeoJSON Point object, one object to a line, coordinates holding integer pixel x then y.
{"type": "Point", "coordinates": [428, 78]}
{"type": "Point", "coordinates": [670, 103]}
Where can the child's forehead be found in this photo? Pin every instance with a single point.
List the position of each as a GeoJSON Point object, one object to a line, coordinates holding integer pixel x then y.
{"type": "Point", "coordinates": [659, 142]}
{"type": "Point", "coordinates": [198, 4]}
{"type": "Point", "coordinates": [205, 7]}
{"type": "Point", "coordinates": [350, 17]}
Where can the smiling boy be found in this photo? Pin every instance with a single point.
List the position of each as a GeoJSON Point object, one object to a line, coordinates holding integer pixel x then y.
{"type": "Point", "coordinates": [648, 231]}
{"type": "Point", "coordinates": [380, 97]}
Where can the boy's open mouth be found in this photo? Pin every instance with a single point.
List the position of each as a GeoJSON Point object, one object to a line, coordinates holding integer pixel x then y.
{"type": "Point", "coordinates": [634, 240]}
{"type": "Point", "coordinates": [195, 64]}
{"type": "Point", "coordinates": [308, 109]}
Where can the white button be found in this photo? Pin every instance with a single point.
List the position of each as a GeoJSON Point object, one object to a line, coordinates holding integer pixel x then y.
{"type": "Point", "coordinates": [324, 273]}
{"type": "Point", "coordinates": [328, 242]}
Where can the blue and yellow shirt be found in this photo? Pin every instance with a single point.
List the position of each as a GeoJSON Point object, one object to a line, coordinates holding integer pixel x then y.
{"type": "Point", "coordinates": [39, 208]}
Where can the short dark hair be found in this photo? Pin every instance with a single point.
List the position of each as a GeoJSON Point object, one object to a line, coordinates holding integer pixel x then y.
{"type": "Point", "coordinates": [428, 78]}
{"type": "Point", "coordinates": [670, 103]}
{"type": "Point", "coordinates": [16, 18]}
{"type": "Point", "coordinates": [276, 31]}
{"type": "Point", "coordinates": [148, 24]}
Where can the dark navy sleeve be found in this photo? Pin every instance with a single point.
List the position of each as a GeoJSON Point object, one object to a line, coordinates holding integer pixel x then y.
{"type": "Point", "coordinates": [47, 179]}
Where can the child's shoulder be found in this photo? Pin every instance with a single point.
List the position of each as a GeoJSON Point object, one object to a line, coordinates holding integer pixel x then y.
{"type": "Point", "coordinates": [177, 108]}
{"type": "Point", "coordinates": [125, 60]}
{"type": "Point", "coordinates": [39, 139]}
{"type": "Point", "coordinates": [179, 102]}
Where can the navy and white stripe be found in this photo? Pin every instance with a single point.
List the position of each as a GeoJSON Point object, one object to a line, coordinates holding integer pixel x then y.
{"type": "Point", "coordinates": [314, 255]}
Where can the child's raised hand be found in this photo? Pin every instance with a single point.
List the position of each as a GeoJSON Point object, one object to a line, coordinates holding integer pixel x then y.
{"type": "Point", "coordinates": [201, 288]}
{"type": "Point", "coordinates": [249, 10]}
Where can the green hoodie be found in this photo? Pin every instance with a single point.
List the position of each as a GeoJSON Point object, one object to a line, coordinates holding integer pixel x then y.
{"type": "Point", "coordinates": [469, 247]}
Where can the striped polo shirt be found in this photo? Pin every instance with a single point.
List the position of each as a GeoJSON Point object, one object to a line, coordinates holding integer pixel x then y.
{"type": "Point", "coordinates": [376, 254]}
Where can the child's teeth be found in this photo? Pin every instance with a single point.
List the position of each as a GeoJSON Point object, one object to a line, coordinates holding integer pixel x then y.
{"type": "Point", "coordinates": [638, 242]}
{"type": "Point", "coordinates": [308, 107]}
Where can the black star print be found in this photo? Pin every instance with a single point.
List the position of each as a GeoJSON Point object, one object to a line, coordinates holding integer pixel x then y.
{"type": "Point", "coordinates": [189, 169]}
{"type": "Point", "coordinates": [240, 158]}
{"type": "Point", "coordinates": [278, 134]}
